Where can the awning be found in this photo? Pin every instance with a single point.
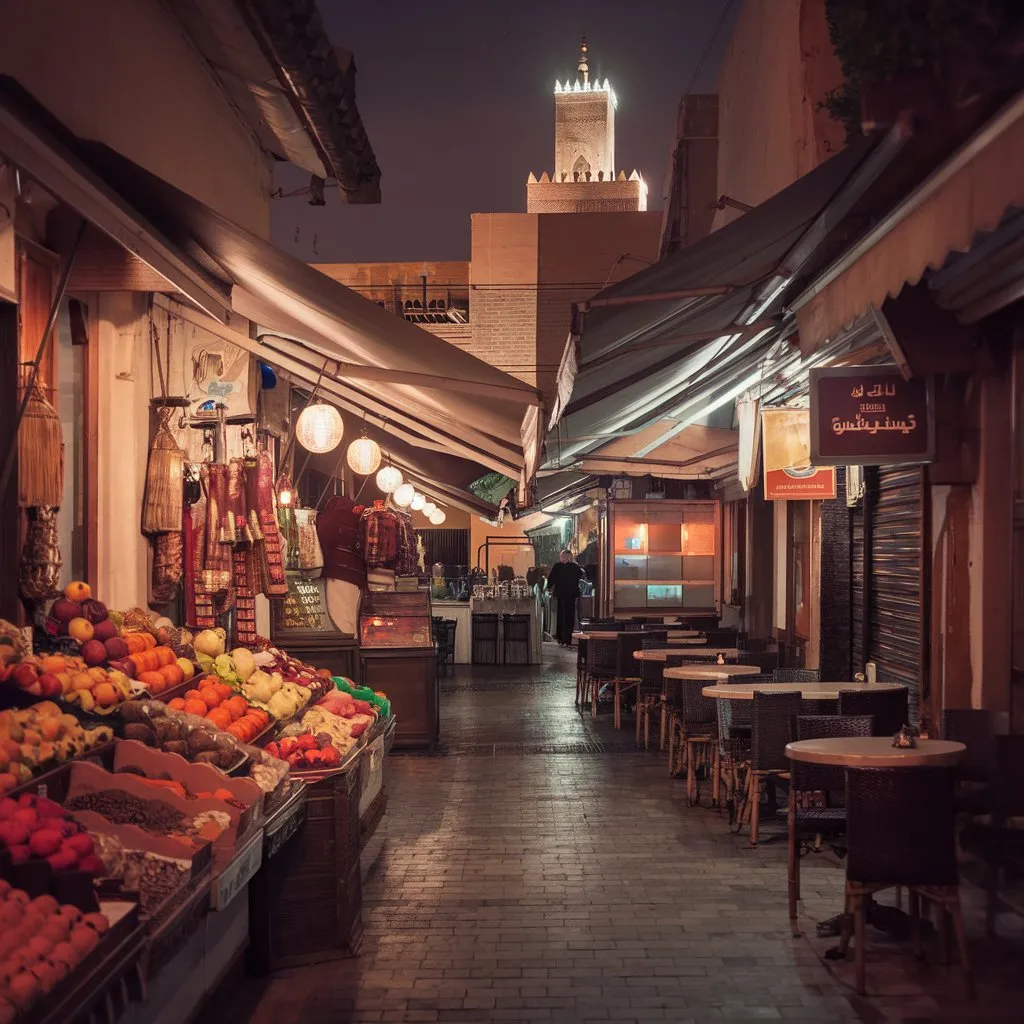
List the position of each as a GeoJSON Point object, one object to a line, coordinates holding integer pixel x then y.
{"type": "Point", "coordinates": [690, 453]}
{"type": "Point", "coordinates": [363, 356]}
{"type": "Point", "coordinates": [968, 194]}
{"type": "Point", "coordinates": [685, 337]}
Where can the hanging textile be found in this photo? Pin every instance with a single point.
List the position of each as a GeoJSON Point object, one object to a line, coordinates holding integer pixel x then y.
{"type": "Point", "coordinates": [380, 536]}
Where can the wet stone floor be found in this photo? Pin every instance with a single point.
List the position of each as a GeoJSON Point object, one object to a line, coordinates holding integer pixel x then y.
{"type": "Point", "coordinates": [541, 868]}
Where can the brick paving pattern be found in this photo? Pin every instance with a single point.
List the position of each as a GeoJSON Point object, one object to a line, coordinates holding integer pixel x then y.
{"type": "Point", "coordinates": [518, 882]}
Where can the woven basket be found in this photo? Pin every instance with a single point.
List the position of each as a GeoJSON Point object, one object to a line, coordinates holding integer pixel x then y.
{"type": "Point", "coordinates": [40, 450]}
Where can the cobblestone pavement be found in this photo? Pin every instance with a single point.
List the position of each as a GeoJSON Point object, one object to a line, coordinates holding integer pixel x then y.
{"type": "Point", "coordinates": [540, 868]}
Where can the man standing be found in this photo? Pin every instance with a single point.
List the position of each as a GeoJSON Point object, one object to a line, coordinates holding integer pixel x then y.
{"type": "Point", "coordinates": [564, 586]}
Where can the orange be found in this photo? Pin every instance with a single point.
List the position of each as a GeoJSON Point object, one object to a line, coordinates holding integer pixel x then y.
{"type": "Point", "coordinates": [210, 696]}
{"type": "Point", "coordinates": [82, 681]}
{"type": "Point", "coordinates": [223, 689]}
{"type": "Point", "coordinates": [78, 591]}
{"type": "Point", "coordinates": [193, 694]}
{"type": "Point", "coordinates": [195, 707]}
{"type": "Point", "coordinates": [153, 681]}
{"type": "Point", "coordinates": [106, 694]}
{"type": "Point", "coordinates": [52, 663]}
{"type": "Point", "coordinates": [178, 704]}
{"type": "Point", "coordinates": [219, 717]}
{"type": "Point", "coordinates": [172, 674]}
{"type": "Point", "coordinates": [164, 655]}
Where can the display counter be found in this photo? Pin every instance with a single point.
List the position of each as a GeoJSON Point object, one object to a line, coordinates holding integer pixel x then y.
{"type": "Point", "coordinates": [461, 613]}
{"type": "Point", "coordinates": [513, 606]}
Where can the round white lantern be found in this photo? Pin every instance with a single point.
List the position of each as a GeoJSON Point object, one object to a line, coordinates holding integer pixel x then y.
{"type": "Point", "coordinates": [429, 509]}
{"type": "Point", "coordinates": [437, 517]}
{"type": "Point", "coordinates": [364, 456]}
{"type": "Point", "coordinates": [389, 479]}
{"type": "Point", "coordinates": [403, 495]}
{"type": "Point", "coordinates": [319, 428]}
{"type": "Point", "coordinates": [418, 501]}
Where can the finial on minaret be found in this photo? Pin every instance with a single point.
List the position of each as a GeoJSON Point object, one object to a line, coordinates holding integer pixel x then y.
{"type": "Point", "coordinates": [584, 68]}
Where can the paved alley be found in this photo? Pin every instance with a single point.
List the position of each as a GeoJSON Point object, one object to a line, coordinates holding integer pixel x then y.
{"type": "Point", "coordinates": [540, 868]}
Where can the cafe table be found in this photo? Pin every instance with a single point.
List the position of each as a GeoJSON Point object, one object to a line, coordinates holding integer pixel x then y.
{"type": "Point", "coordinates": [664, 653]}
{"type": "Point", "coordinates": [683, 636]}
{"type": "Point", "coordinates": [809, 691]}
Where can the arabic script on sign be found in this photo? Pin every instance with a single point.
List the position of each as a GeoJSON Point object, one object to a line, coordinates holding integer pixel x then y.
{"type": "Point", "coordinates": [861, 424]}
{"type": "Point", "coordinates": [876, 391]}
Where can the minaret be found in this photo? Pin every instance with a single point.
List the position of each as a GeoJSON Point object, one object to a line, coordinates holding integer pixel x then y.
{"type": "Point", "coordinates": [585, 151]}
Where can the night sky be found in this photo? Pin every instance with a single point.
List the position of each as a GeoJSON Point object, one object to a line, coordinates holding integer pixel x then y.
{"type": "Point", "coordinates": [457, 98]}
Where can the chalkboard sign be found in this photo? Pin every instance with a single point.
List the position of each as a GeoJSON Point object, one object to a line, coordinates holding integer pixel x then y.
{"type": "Point", "coordinates": [304, 609]}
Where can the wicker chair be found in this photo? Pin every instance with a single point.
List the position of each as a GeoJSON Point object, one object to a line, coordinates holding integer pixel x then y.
{"type": "Point", "coordinates": [889, 708]}
{"type": "Point", "coordinates": [656, 635]}
{"type": "Point", "coordinates": [797, 675]}
{"type": "Point", "coordinates": [627, 674]}
{"type": "Point", "coordinates": [900, 832]}
{"type": "Point", "coordinates": [773, 724]}
{"type": "Point", "coordinates": [650, 691]}
{"type": "Point", "coordinates": [735, 722]}
{"type": "Point", "coordinates": [817, 793]}
{"type": "Point", "coordinates": [602, 662]}
{"type": "Point", "coordinates": [697, 732]}
{"type": "Point", "coordinates": [581, 671]}
{"type": "Point", "coordinates": [977, 729]}
{"type": "Point", "coordinates": [672, 720]}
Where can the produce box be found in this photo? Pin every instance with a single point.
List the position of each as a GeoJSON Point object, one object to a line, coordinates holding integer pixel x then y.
{"type": "Point", "coordinates": [382, 704]}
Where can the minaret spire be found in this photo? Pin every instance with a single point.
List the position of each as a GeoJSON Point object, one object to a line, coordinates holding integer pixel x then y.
{"type": "Point", "coordinates": [583, 68]}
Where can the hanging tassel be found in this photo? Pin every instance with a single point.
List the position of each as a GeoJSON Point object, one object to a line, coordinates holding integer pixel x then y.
{"type": "Point", "coordinates": [40, 451]}
{"type": "Point", "coordinates": [162, 503]}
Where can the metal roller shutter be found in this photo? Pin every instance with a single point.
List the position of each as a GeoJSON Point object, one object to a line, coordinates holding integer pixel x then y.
{"type": "Point", "coordinates": [858, 596]}
{"type": "Point", "coordinates": [895, 512]}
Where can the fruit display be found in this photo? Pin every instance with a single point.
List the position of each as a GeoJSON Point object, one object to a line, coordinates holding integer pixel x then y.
{"type": "Point", "coordinates": [154, 665]}
{"type": "Point", "coordinates": [41, 943]}
{"type": "Point", "coordinates": [306, 752]}
{"type": "Point", "coordinates": [220, 705]}
{"type": "Point", "coordinates": [317, 680]}
{"type": "Point", "coordinates": [39, 737]}
{"type": "Point", "coordinates": [344, 730]}
{"type": "Point", "coordinates": [268, 691]}
{"type": "Point", "coordinates": [194, 738]}
{"type": "Point", "coordinates": [69, 678]}
{"type": "Point", "coordinates": [34, 828]}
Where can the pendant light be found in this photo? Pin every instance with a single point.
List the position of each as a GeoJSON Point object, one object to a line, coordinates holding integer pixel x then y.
{"type": "Point", "coordinates": [319, 428]}
{"type": "Point", "coordinates": [389, 479]}
{"type": "Point", "coordinates": [404, 495]}
{"type": "Point", "coordinates": [437, 517]}
{"type": "Point", "coordinates": [364, 456]}
{"type": "Point", "coordinates": [429, 509]}
{"type": "Point", "coordinates": [418, 501]}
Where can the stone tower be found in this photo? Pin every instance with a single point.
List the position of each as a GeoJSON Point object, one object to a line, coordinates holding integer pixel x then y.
{"type": "Point", "coordinates": [584, 178]}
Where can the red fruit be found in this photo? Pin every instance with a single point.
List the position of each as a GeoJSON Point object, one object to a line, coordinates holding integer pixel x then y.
{"type": "Point", "coordinates": [358, 729]}
{"type": "Point", "coordinates": [105, 630]}
{"type": "Point", "coordinates": [45, 842]}
{"type": "Point", "coordinates": [24, 675]}
{"type": "Point", "coordinates": [19, 854]}
{"type": "Point", "coordinates": [48, 808]}
{"type": "Point", "coordinates": [13, 832]}
{"type": "Point", "coordinates": [49, 684]}
{"type": "Point", "coordinates": [68, 828]}
{"type": "Point", "coordinates": [23, 990]}
{"type": "Point", "coordinates": [295, 759]}
{"type": "Point", "coordinates": [272, 749]}
{"type": "Point", "coordinates": [287, 747]}
{"type": "Point", "coordinates": [330, 755]}
{"type": "Point", "coordinates": [7, 808]}
{"type": "Point", "coordinates": [28, 816]}
{"type": "Point", "coordinates": [27, 800]}
{"type": "Point", "coordinates": [307, 741]}
{"type": "Point", "coordinates": [312, 757]}
{"type": "Point", "coordinates": [64, 610]}
{"type": "Point", "coordinates": [116, 647]}
{"type": "Point", "coordinates": [64, 859]}
{"type": "Point", "coordinates": [94, 611]}
{"type": "Point", "coordinates": [94, 652]}
{"type": "Point", "coordinates": [92, 866]}
{"type": "Point", "coordinates": [81, 844]}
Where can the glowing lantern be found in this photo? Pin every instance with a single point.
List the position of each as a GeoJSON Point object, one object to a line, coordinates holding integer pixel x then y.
{"type": "Point", "coordinates": [418, 501]}
{"type": "Point", "coordinates": [389, 479]}
{"type": "Point", "coordinates": [364, 455]}
{"type": "Point", "coordinates": [404, 495]}
{"type": "Point", "coordinates": [429, 509]}
{"type": "Point", "coordinates": [319, 428]}
{"type": "Point", "coordinates": [437, 517]}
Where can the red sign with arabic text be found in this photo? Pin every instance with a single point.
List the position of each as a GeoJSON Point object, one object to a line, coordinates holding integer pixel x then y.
{"type": "Point", "coordinates": [869, 416]}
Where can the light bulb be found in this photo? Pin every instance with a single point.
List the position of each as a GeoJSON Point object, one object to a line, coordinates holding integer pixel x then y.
{"type": "Point", "coordinates": [437, 517]}
{"type": "Point", "coordinates": [403, 495]}
{"type": "Point", "coordinates": [364, 456]}
{"type": "Point", "coordinates": [389, 479]}
{"type": "Point", "coordinates": [285, 497]}
{"type": "Point", "coordinates": [418, 501]}
{"type": "Point", "coordinates": [319, 428]}
{"type": "Point", "coordinates": [429, 509]}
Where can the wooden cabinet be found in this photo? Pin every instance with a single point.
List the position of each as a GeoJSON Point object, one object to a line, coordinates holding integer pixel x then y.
{"type": "Point", "coordinates": [409, 677]}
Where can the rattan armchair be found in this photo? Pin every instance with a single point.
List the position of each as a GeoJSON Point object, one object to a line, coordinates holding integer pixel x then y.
{"type": "Point", "coordinates": [735, 722]}
{"type": "Point", "coordinates": [650, 691]}
{"type": "Point", "coordinates": [602, 663]}
{"type": "Point", "coordinates": [889, 708]}
{"type": "Point", "coordinates": [900, 832]}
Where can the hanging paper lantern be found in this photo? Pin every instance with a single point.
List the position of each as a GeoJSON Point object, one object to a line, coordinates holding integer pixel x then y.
{"type": "Point", "coordinates": [418, 501]}
{"type": "Point", "coordinates": [404, 495]}
{"type": "Point", "coordinates": [389, 479]}
{"type": "Point", "coordinates": [364, 455]}
{"type": "Point", "coordinates": [429, 509]}
{"type": "Point", "coordinates": [319, 428]}
{"type": "Point", "coordinates": [437, 517]}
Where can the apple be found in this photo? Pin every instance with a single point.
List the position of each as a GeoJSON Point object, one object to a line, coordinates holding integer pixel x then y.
{"type": "Point", "coordinates": [64, 610]}
{"type": "Point", "coordinates": [106, 630]}
{"type": "Point", "coordinates": [95, 611]}
{"type": "Point", "coordinates": [50, 685]}
{"type": "Point", "coordinates": [94, 653]}
{"type": "Point", "coordinates": [24, 675]}
{"type": "Point", "coordinates": [116, 647]}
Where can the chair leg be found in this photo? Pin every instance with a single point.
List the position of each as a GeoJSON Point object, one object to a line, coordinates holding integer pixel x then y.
{"type": "Point", "coordinates": [662, 725]}
{"type": "Point", "coordinates": [794, 862]}
{"type": "Point", "coordinates": [595, 686]}
{"type": "Point", "coordinates": [716, 767]}
{"type": "Point", "coordinates": [961, 941]}
{"type": "Point", "coordinates": [846, 931]}
{"type": "Point", "coordinates": [639, 715]}
{"type": "Point", "coordinates": [755, 808]}
{"type": "Point", "coordinates": [647, 726]}
{"type": "Point", "coordinates": [859, 929]}
{"type": "Point", "coordinates": [692, 796]}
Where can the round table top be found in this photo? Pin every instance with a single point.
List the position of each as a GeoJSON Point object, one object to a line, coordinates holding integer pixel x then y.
{"type": "Point", "coordinates": [710, 671]}
{"type": "Point", "coordinates": [809, 691]}
{"type": "Point", "coordinates": [685, 634]}
{"type": "Point", "coordinates": [664, 653]}
{"type": "Point", "coordinates": [875, 752]}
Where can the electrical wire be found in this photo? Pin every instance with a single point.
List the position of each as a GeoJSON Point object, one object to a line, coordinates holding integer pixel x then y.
{"type": "Point", "coordinates": [707, 49]}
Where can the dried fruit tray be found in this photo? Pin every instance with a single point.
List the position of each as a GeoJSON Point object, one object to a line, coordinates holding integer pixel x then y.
{"type": "Point", "coordinates": [115, 959]}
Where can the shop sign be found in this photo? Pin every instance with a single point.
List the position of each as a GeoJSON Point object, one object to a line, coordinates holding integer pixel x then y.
{"type": "Point", "coordinates": [372, 774]}
{"type": "Point", "coordinates": [239, 873]}
{"type": "Point", "coordinates": [788, 472]}
{"type": "Point", "coordinates": [870, 416]}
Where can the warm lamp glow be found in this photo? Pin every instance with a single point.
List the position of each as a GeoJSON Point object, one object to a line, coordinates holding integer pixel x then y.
{"type": "Point", "coordinates": [429, 509]}
{"type": "Point", "coordinates": [418, 501]}
{"type": "Point", "coordinates": [404, 495]}
{"type": "Point", "coordinates": [364, 456]}
{"type": "Point", "coordinates": [319, 428]}
{"type": "Point", "coordinates": [389, 479]}
{"type": "Point", "coordinates": [437, 517]}
{"type": "Point", "coordinates": [284, 498]}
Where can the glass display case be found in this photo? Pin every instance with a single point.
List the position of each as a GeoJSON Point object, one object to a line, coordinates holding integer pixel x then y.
{"type": "Point", "coordinates": [665, 556]}
{"type": "Point", "coordinates": [391, 620]}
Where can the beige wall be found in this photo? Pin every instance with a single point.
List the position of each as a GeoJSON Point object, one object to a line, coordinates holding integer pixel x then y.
{"type": "Point", "coordinates": [776, 71]}
{"type": "Point", "coordinates": [124, 74]}
{"type": "Point", "coordinates": [520, 557]}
